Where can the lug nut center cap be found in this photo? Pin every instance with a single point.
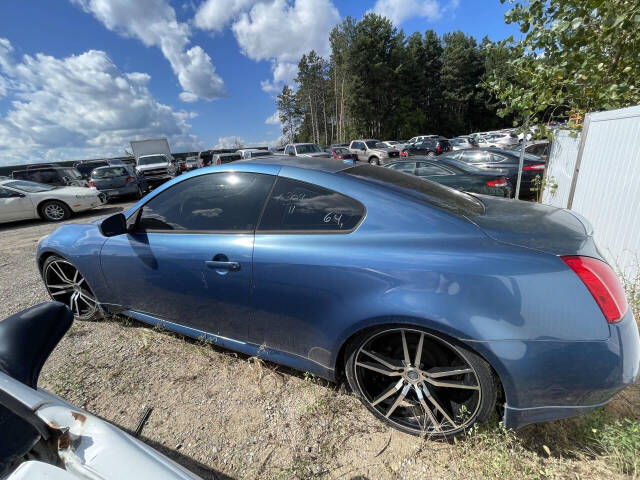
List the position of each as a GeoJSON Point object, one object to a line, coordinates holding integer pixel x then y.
{"type": "Point", "coordinates": [413, 376]}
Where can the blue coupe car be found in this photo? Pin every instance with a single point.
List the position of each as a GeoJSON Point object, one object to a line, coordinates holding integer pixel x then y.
{"type": "Point", "coordinates": [436, 305]}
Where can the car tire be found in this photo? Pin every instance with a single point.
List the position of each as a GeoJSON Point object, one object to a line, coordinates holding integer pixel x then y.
{"type": "Point", "coordinates": [374, 161]}
{"type": "Point", "coordinates": [54, 211]}
{"type": "Point", "coordinates": [431, 154]}
{"type": "Point", "coordinates": [400, 396]}
{"type": "Point", "coordinates": [67, 285]}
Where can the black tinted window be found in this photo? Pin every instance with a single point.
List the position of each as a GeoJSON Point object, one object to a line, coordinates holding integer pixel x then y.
{"type": "Point", "coordinates": [214, 202]}
{"type": "Point", "coordinates": [474, 157]}
{"type": "Point", "coordinates": [296, 206]}
{"type": "Point", "coordinates": [407, 167]}
{"type": "Point", "coordinates": [426, 168]}
{"type": "Point", "coordinates": [419, 189]}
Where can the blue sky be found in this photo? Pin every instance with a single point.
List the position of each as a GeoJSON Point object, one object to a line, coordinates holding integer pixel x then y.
{"type": "Point", "coordinates": [79, 78]}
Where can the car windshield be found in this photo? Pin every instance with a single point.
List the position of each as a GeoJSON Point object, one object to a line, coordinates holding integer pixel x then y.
{"type": "Point", "coordinates": [29, 187]}
{"type": "Point", "coordinates": [308, 148]}
{"type": "Point", "coordinates": [109, 172]}
{"type": "Point", "coordinates": [420, 189]}
{"type": "Point", "coordinates": [375, 144]}
{"type": "Point", "coordinates": [151, 159]}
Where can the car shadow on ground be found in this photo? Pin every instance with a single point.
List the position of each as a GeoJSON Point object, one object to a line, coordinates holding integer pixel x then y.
{"type": "Point", "coordinates": [204, 471]}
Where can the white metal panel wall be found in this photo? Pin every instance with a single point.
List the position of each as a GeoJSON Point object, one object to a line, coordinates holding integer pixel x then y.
{"type": "Point", "coordinates": [562, 162]}
{"type": "Point", "coordinates": [608, 185]}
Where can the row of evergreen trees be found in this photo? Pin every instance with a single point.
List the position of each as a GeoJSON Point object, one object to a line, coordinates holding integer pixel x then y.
{"type": "Point", "coordinates": [378, 83]}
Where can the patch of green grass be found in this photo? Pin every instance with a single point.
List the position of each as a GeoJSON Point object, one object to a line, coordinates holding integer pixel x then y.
{"type": "Point", "coordinates": [619, 442]}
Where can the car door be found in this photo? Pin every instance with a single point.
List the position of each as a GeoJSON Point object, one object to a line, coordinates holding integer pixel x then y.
{"type": "Point", "coordinates": [299, 272]}
{"type": "Point", "coordinates": [15, 205]}
{"type": "Point", "coordinates": [187, 259]}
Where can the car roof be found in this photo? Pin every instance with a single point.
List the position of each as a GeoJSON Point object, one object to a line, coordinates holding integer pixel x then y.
{"type": "Point", "coordinates": [327, 165]}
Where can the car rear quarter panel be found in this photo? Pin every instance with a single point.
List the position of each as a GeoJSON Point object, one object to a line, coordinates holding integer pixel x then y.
{"type": "Point", "coordinates": [447, 276]}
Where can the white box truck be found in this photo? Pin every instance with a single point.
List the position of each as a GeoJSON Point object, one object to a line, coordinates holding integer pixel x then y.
{"type": "Point", "coordinates": [154, 161]}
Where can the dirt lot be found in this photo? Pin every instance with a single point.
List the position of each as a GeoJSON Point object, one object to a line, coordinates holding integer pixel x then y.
{"type": "Point", "coordinates": [226, 416]}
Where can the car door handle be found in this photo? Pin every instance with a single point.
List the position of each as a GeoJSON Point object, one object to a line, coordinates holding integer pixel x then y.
{"type": "Point", "coordinates": [218, 265]}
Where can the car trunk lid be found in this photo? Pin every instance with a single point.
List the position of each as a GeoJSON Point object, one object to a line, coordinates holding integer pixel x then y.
{"type": "Point", "coordinates": [539, 227]}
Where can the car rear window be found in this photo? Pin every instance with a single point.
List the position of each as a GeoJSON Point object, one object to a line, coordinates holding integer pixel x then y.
{"type": "Point", "coordinates": [420, 189]}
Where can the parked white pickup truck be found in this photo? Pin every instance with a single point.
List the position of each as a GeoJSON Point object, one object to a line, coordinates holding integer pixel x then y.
{"type": "Point", "coordinates": [154, 160]}
{"type": "Point", "coordinates": [305, 150]}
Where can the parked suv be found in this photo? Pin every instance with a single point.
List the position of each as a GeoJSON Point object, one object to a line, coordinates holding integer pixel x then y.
{"type": "Point", "coordinates": [59, 176]}
{"type": "Point", "coordinates": [429, 147]}
{"type": "Point", "coordinates": [85, 167]}
{"type": "Point", "coordinates": [304, 150]}
{"type": "Point", "coordinates": [373, 151]}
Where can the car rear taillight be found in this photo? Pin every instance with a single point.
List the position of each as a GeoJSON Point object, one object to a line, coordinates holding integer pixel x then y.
{"type": "Point", "coordinates": [439, 148]}
{"type": "Point", "coordinates": [218, 161]}
{"type": "Point", "coordinates": [404, 154]}
{"type": "Point", "coordinates": [92, 184]}
{"type": "Point", "coordinates": [202, 164]}
{"type": "Point", "coordinates": [498, 182]}
{"type": "Point", "coordinates": [603, 284]}
{"type": "Point", "coordinates": [129, 179]}
{"type": "Point", "coordinates": [534, 167]}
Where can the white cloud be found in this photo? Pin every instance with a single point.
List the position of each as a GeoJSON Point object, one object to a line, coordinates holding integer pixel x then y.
{"type": "Point", "coordinates": [276, 30]}
{"type": "Point", "coordinates": [231, 141]}
{"type": "Point", "coordinates": [216, 14]}
{"type": "Point", "coordinates": [273, 119]}
{"type": "Point", "coordinates": [154, 23]}
{"type": "Point", "coordinates": [400, 10]}
{"type": "Point", "coordinates": [81, 106]}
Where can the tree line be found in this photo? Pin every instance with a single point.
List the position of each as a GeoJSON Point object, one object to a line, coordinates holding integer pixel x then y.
{"type": "Point", "coordinates": [379, 83]}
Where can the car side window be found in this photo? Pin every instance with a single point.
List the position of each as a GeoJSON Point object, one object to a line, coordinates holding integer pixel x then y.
{"type": "Point", "coordinates": [495, 158]}
{"type": "Point", "coordinates": [288, 150]}
{"type": "Point", "coordinates": [427, 168]}
{"type": "Point", "coordinates": [358, 145]}
{"type": "Point", "coordinates": [302, 207]}
{"type": "Point", "coordinates": [474, 157]}
{"type": "Point", "coordinates": [5, 193]}
{"type": "Point", "coordinates": [406, 167]}
{"type": "Point", "coordinates": [220, 202]}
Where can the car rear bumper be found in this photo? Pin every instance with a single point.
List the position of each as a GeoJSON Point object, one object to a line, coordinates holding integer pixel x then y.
{"type": "Point", "coordinates": [549, 380]}
{"type": "Point", "coordinates": [130, 189]}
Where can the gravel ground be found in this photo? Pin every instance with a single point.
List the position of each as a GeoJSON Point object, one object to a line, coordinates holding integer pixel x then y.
{"type": "Point", "coordinates": [226, 416]}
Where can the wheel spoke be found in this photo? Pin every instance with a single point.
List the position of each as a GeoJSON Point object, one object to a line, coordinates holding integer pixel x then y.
{"type": "Point", "coordinates": [400, 398]}
{"type": "Point", "coordinates": [452, 384]}
{"type": "Point", "coordinates": [439, 372]}
{"type": "Point", "coordinates": [426, 409]}
{"type": "Point", "coordinates": [88, 299]}
{"type": "Point", "coordinates": [375, 368]}
{"type": "Point", "coordinates": [65, 286]}
{"type": "Point", "coordinates": [407, 360]}
{"type": "Point", "coordinates": [416, 362]}
{"type": "Point", "coordinates": [437, 405]}
{"type": "Point", "coordinates": [58, 270]}
{"type": "Point", "coordinates": [75, 276]}
{"type": "Point", "coordinates": [73, 304]}
{"type": "Point", "coordinates": [387, 393]}
{"type": "Point", "coordinates": [378, 358]}
{"type": "Point", "coordinates": [60, 292]}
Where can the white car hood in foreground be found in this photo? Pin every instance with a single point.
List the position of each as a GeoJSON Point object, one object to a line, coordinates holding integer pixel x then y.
{"type": "Point", "coordinates": [90, 448]}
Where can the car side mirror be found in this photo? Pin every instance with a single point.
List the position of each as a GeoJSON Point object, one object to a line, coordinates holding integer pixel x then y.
{"type": "Point", "coordinates": [114, 225]}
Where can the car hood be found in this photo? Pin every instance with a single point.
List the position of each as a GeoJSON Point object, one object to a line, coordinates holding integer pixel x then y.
{"type": "Point", "coordinates": [153, 166]}
{"type": "Point", "coordinates": [539, 227]}
{"type": "Point", "coordinates": [315, 154]}
{"type": "Point", "coordinates": [382, 150]}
